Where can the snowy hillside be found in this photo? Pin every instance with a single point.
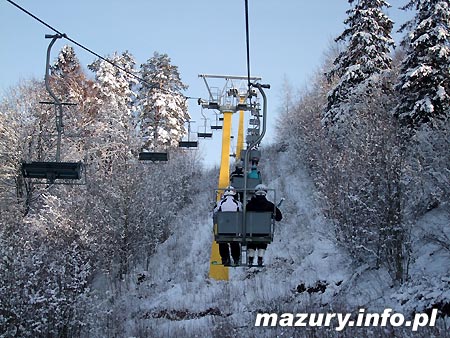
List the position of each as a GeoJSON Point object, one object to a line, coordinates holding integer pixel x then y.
{"type": "Point", "coordinates": [306, 271]}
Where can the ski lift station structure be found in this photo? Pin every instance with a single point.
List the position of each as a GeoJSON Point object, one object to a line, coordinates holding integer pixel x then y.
{"type": "Point", "coordinates": [240, 226]}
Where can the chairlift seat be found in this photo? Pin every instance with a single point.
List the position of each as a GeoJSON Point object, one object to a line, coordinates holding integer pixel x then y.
{"type": "Point", "coordinates": [154, 156]}
{"type": "Point", "coordinates": [188, 144]}
{"type": "Point", "coordinates": [204, 135]}
{"type": "Point", "coordinates": [216, 127]}
{"type": "Point", "coordinates": [52, 170]}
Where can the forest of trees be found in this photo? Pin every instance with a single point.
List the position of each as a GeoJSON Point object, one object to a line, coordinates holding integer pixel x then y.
{"type": "Point", "coordinates": [55, 239]}
{"type": "Point", "coordinates": [374, 131]}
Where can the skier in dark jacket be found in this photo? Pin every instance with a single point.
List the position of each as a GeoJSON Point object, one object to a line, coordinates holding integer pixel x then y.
{"type": "Point", "coordinates": [259, 202]}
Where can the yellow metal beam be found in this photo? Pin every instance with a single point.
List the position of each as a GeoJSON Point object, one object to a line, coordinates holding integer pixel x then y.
{"type": "Point", "coordinates": [240, 140]}
{"type": "Point", "coordinates": [220, 272]}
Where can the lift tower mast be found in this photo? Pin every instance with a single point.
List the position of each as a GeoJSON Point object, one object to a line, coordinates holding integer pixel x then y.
{"type": "Point", "coordinates": [228, 101]}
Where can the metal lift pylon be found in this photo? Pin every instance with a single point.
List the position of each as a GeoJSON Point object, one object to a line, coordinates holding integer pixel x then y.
{"type": "Point", "coordinates": [220, 272]}
{"type": "Point", "coordinates": [240, 140]}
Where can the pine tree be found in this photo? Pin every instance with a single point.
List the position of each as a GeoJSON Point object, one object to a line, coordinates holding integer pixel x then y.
{"type": "Point", "coordinates": [69, 83]}
{"type": "Point", "coordinates": [367, 53]}
{"type": "Point", "coordinates": [115, 95]}
{"type": "Point", "coordinates": [67, 76]}
{"type": "Point", "coordinates": [163, 110]}
{"type": "Point", "coordinates": [424, 83]}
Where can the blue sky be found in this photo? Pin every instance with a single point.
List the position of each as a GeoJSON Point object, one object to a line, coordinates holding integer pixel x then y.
{"type": "Point", "coordinates": [288, 39]}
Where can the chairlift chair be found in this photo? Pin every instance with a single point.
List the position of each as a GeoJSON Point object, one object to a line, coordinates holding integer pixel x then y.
{"type": "Point", "coordinates": [63, 172]}
{"type": "Point", "coordinates": [244, 227]}
{"type": "Point", "coordinates": [204, 135]}
{"type": "Point", "coordinates": [217, 126]}
{"type": "Point", "coordinates": [52, 170]}
{"type": "Point", "coordinates": [202, 131]}
{"type": "Point", "coordinates": [153, 156]}
{"type": "Point", "coordinates": [188, 144]}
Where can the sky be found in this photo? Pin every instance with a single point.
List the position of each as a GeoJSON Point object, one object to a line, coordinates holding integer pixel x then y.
{"type": "Point", "coordinates": [288, 40]}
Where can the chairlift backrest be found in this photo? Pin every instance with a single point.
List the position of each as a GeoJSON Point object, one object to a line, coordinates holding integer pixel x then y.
{"type": "Point", "coordinates": [238, 182]}
{"type": "Point", "coordinates": [52, 170]}
{"type": "Point", "coordinates": [188, 144]}
{"type": "Point", "coordinates": [255, 155]}
{"type": "Point", "coordinates": [229, 226]}
{"type": "Point", "coordinates": [204, 135]}
{"type": "Point", "coordinates": [154, 156]}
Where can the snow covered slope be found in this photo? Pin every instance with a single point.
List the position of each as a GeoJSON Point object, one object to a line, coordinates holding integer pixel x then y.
{"type": "Point", "coordinates": [306, 271]}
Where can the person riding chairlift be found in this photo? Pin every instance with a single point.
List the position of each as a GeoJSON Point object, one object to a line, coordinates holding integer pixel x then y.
{"type": "Point", "coordinates": [226, 204]}
{"type": "Point", "coordinates": [259, 202]}
{"type": "Point", "coordinates": [254, 173]}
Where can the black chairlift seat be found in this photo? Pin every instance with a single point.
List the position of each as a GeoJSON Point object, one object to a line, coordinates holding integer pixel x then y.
{"type": "Point", "coordinates": [52, 170]}
{"type": "Point", "coordinates": [153, 156]}
{"type": "Point", "coordinates": [216, 127]}
{"type": "Point", "coordinates": [204, 135]}
{"type": "Point", "coordinates": [188, 144]}
{"type": "Point", "coordinates": [229, 227]}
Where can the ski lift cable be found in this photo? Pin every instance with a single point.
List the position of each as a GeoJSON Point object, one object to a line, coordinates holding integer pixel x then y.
{"type": "Point", "coordinates": [63, 35]}
{"type": "Point", "coordinates": [247, 44]}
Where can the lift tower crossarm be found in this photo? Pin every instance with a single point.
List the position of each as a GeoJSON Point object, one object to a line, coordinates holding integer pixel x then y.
{"type": "Point", "coordinates": [229, 77]}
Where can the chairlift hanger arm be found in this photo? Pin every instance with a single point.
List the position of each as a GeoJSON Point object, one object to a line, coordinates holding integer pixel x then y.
{"type": "Point", "coordinates": [58, 104]}
{"type": "Point", "coordinates": [263, 132]}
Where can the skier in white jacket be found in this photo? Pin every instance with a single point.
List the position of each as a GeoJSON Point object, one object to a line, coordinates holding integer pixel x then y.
{"type": "Point", "coordinates": [226, 204]}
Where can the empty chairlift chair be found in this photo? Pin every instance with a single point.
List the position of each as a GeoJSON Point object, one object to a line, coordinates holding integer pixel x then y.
{"type": "Point", "coordinates": [53, 170]}
{"type": "Point", "coordinates": [204, 134]}
{"type": "Point", "coordinates": [153, 156]}
{"type": "Point", "coordinates": [56, 172]}
{"type": "Point", "coordinates": [188, 144]}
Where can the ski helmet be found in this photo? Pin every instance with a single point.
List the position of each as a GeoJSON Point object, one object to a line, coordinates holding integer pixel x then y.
{"type": "Point", "coordinates": [261, 190]}
{"type": "Point", "coordinates": [229, 191]}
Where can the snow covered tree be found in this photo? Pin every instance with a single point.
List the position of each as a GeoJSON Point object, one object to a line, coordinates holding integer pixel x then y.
{"type": "Point", "coordinates": [69, 81]}
{"type": "Point", "coordinates": [424, 83]}
{"type": "Point", "coordinates": [367, 53]}
{"type": "Point", "coordinates": [113, 158]}
{"type": "Point", "coordinates": [163, 110]}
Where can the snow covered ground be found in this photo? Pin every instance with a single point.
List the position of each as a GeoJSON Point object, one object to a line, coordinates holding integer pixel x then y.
{"type": "Point", "coordinates": [306, 271]}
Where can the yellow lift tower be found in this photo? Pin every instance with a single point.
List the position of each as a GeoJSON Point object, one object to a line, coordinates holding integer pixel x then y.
{"type": "Point", "coordinates": [228, 101]}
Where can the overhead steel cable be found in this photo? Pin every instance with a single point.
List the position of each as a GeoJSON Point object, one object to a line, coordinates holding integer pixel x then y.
{"type": "Point", "coordinates": [63, 35]}
{"type": "Point", "coordinates": [247, 43]}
